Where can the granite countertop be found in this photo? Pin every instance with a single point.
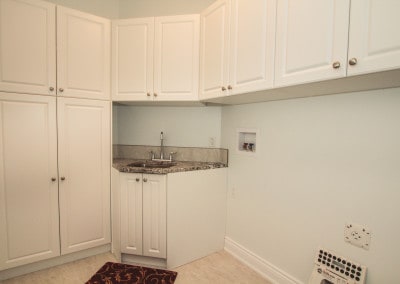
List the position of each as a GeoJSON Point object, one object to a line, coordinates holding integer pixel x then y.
{"type": "Point", "coordinates": [179, 166]}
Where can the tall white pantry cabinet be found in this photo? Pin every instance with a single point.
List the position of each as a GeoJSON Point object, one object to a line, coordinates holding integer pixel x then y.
{"type": "Point", "coordinates": [55, 149]}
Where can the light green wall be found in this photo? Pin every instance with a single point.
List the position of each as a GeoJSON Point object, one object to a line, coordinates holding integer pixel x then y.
{"type": "Point", "coordinates": [183, 126]}
{"type": "Point", "coordinates": [149, 8]}
{"type": "Point", "coordinates": [104, 8]}
{"type": "Point", "coordinates": [114, 9]}
{"type": "Point", "coordinates": [321, 162]}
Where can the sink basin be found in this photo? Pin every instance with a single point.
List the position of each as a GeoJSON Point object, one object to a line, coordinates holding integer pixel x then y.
{"type": "Point", "coordinates": [152, 164]}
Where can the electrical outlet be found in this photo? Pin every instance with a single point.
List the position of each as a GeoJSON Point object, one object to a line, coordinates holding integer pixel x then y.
{"type": "Point", "coordinates": [357, 235]}
{"type": "Point", "coordinates": [233, 193]}
{"type": "Point", "coordinates": [211, 142]}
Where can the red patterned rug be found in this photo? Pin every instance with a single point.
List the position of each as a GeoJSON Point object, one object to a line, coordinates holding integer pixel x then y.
{"type": "Point", "coordinates": [112, 272]}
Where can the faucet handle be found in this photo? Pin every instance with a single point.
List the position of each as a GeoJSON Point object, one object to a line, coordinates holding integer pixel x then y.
{"type": "Point", "coordinates": [152, 155]}
{"type": "Point", "coordinates": [170, 155]}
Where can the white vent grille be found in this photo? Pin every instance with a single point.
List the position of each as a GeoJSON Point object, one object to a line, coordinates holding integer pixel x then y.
{"type": "Point", "coordinates": [332, 268]}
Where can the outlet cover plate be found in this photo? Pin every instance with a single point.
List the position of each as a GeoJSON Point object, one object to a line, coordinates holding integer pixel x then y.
{"type": "Point", "coordinates": [357, 235]}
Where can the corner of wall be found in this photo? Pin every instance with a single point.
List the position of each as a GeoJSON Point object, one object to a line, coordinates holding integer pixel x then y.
{"type": "Point", "coordinates": [266, 269]}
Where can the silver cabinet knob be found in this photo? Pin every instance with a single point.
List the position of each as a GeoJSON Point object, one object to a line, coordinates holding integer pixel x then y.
{"type": "Point", "coordinates": [53, 179]}
{"type": "Point", "coordinates": [155, 95]}
{"type": "Point", "coordinates": [223, 89]}
{"type": "Point", "coordinates": [61, 90]}
{"type": "Point", "coordinates": [145, 179]}
{"type": "Point", "coordinates": [137, 179]}
{"type": "Point", "coordinates": [229, 87]}
{"type": "Point", "coordinates": [148, 94]}
{"type": "Point", "coordinates": [62, 178]}
{"type": "Point", "coordinates": [336, 65]}
{"type": "Point", "coordinates": [51, 89]}
{"type": "Point", "coordinates": [353, 61]}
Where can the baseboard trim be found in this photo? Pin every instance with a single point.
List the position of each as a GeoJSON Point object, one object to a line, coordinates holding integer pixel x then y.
{"type": "Point", "coordinates": [261, 266]}
{"type": "Point", "coordinates": [144, 261]}
{"type": "Point", "coordinates": [51, 262]}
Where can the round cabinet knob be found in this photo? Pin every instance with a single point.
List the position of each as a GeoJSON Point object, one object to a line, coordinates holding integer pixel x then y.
{"type": "Point", "coordinates": [353, 61]}
{"type": "Point", "coordinates": [145, 179]}
{"type": "Point", "coordinates": [51, 89]}
{"type": "Point", "coordinates": [148, 94]}
{"type": "Point", "coordinates": [62, 178]}
{"type": "Point", "coordinates": [223, 89]}
{"type": "Point", "coordinates": [336, 65]}
{"type": "Point", "coordinates": [155, 95]}
{"type": "Point", "coordinates": [137, 179]}
{"type": "Point", "coordinates": [229, 87]}
{"type": "Point", "coordinates": [61, 90]}
{"type": "Point", "coordinates": [53, 179]}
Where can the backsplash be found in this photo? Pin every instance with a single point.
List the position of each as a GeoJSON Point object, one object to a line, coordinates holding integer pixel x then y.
{"type": "Point", "coordinates": [197, 154]}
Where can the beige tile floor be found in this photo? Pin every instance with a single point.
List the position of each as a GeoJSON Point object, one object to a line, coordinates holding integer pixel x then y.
{"type": "Point", "coordinates": [220, 268]}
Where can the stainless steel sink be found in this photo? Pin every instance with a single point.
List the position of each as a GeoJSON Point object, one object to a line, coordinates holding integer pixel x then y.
{"type": "Point", "coordinates": [152, 164]}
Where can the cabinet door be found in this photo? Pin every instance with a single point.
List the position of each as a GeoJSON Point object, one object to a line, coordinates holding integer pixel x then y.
{"type": "Point", "coordinates": [28, 179]}
{"type": "Point", "coordinates": [214, 50]}
{"type": "Point", "coordinates": [84, 169]}
{"type": "Point", "coordinates": [154, 216]}
{"type": "Point", "coordinates": [83, 55]}
{"type": "Point", "coordinates": [176, 58]}
{"type": "Point", "coordinates": [131, 213]}
{"type": "Point", "coordinates": [252, 45]}
{"type": "Point", "coordinates": [311, 36]}
{"type": "Point", "coordinates": [132, 60]}
{"type": "Point", "coordinates": [374, 36]}
{"type": "Point", "coordinates": [27, 47]}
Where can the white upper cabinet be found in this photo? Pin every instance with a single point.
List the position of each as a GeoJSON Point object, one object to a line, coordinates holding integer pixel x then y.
{"type": "Point", "coordinates": [83, 55]}
{"type": "Point", "coordinates": [176, 57]}
{"type": "Point", "coordinates": [321, 40]}
{"type": "Point", "coordinates": [156, 59]}
{"type": "Point", "coordinates": [374, 36]}
{"type": "Point", "coordinates": [214, 49]}
{"type": "Point", "coordinates": [84, 169]}
{"type": "Point", "coordinates": [311, 40]}
{"type": "Point", "coordinates": [252, 45]}
{"type": "Point", "coordinates": [27, 47]}
{"type": "Point", "coordinates": [28, 50]}
{"type": "Point", "coordinates": [28, 179]}
{"type": "Point", "coordinates": [237, 47]}
{"type": "Point", "coordinates": [132, 59]}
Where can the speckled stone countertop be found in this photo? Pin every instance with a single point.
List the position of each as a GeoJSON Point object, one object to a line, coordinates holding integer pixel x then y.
{"type": "Point", "coordinates": [179, 166]}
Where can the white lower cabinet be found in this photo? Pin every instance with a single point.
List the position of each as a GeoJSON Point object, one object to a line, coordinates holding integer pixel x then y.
{"type": "Point", "coordinates": [143, 214]}
{"type": "Point", "coordinates": [28, 180]}
{"type": "Point", "coordinates": [168, 220]}
{"type": "Point", "coordinates": [84, 169]}
{"type": "Point", "coordinates": [47, 203]}
{"type": "Point", "coordinates": [196, 215]}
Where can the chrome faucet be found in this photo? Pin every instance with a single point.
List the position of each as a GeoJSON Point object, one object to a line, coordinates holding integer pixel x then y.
{"type": "Point", "coordinates": [162, 151]}
{"type": "Point", "coordinates": [162, 146]}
